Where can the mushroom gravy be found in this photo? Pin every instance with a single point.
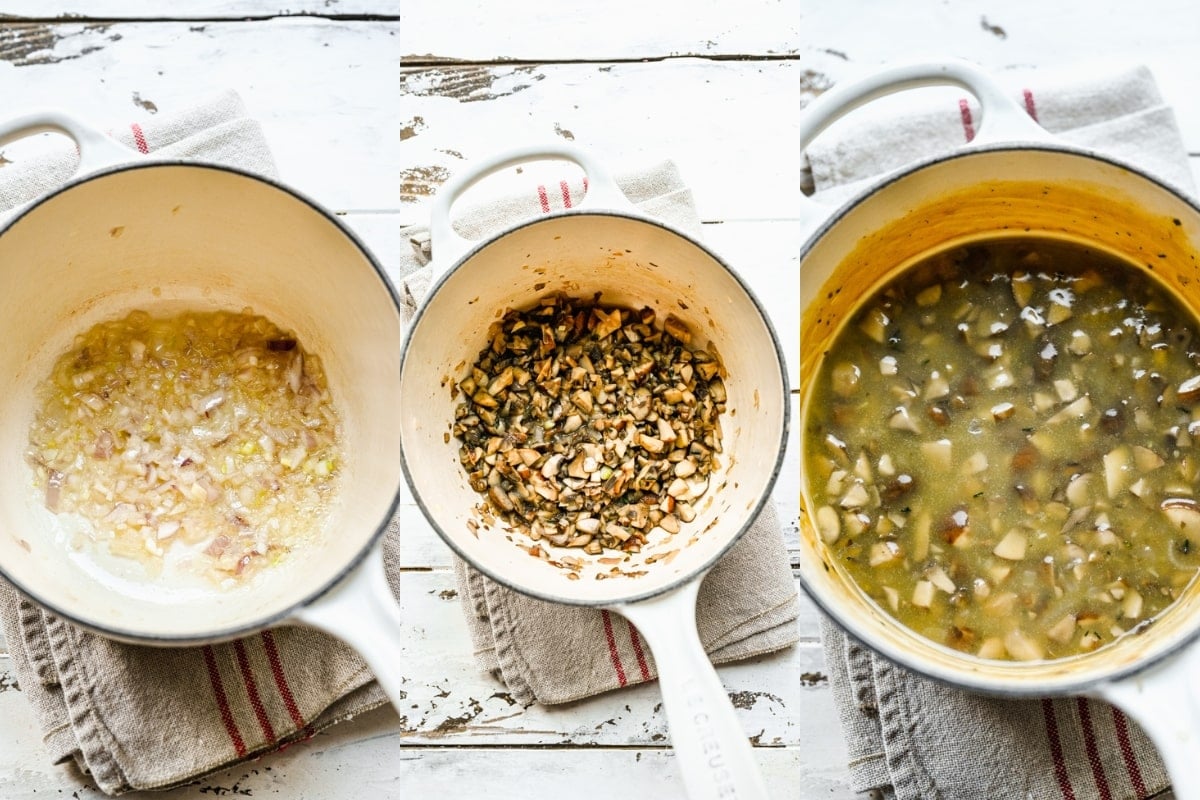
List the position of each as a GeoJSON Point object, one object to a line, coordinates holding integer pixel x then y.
{"type": "Point", "coordinates": [1005, 448]}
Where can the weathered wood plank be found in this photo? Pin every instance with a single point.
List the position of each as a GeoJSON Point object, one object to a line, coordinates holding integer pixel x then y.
{"type": "Point", "coordinates": [630, 774]}
{"type": "Point", "coordinates": [830, 38]}
{"type": "Point", "coordinates": [584, 31]}
{"type": "Point", "coordinates": [450, 701]}
{"type": "Point", "coordinates": [733, 133]}
{"type": "Point", "coordinates": [364, 747]}
{"type": "Point", "coordinates": [197, 9]}
{"type": "Point", "coordinates": [324, 91]}
{"type": "Point", "coordinates": [730, 125]}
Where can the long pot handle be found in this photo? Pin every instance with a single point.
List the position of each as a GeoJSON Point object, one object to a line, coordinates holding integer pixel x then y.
{"type": "Point", "coordinates": [1003, 119]}
{"type": "Point", "coordinates": [361, 611]}
{"type": "Point", "coordinates": [96, 149]}
{"type": "Point", "coordinates": [448, 246]}
{"type": "Point", "coordinates": [713, 752]}
{"type": "Point", "coordinates": [1165, 701]}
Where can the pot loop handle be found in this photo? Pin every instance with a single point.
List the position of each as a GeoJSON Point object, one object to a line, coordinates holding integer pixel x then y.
{"type": "Point", "coordinates": [96, 149]}
{"type": "Point", "coordinates": [1165, 701]}
{"type": "Point", "coordinates": [1003, 119]}
{"type": "Point", "coordinates": [448, 246]}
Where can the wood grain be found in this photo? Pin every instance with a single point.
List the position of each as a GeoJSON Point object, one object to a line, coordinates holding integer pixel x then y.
{"type": "Point", "coordinates": [324, 90]}
{"type": "Point", "coordinates": [198, 9]}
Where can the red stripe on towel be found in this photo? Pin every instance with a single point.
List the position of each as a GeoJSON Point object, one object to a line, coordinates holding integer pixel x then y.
{"type": "Point", "coordinates": [260, 713]}
{"type": "Point", "coordinates": [281, 682]}
{"type": "Point", "coordinates": [214, 677]}
{"type": "Point", "coordinates": [544, 198]}
{"type": "Point", "coordinates": [613, 654]}
{"type": "Point", "coordinates": [566, 193]}
{"type": "Point", "coordinates": [1093, 753]}
{"type": "Point", "coordinates": [964, 111]}
{"type": "Point", "coordinates": [1056, 753]}
{"type": "Point", "coordinates": [1029, 106]}
{"type": "Point", "coordinates": [1131, 765]}
{"type": "Point", "coordinates": [636, 641]}
{"type": "Point", "coordinates": [139, 138]}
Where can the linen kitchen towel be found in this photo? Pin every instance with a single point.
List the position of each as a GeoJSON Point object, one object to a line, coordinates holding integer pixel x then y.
{"type": "Point", "coordinates": [909, 737]}
{"type": "Point", "coordinates": [150, 718]}
{"type": "Point", "coordinates": [748, 603]}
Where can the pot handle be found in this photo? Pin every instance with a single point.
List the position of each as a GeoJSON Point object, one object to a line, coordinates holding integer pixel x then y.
{"type": "Point", "coordinates": [1004, 120]}
{"type": "Point", "coordinates": [96, 149]}
{"type": "Point", "coordinates": [448, 246]}
{"type": "Point", "coordinates": [1165, 701]}
{"type": "Point", "coordinates": [713, 752]}
{"type": "Point", "coordinates": [361, 611]}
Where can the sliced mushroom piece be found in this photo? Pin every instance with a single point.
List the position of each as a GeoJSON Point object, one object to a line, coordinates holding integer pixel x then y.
{"type": "Point", "coordinates": [874, 325]}
{"type": "Point", "coordinates": [1003, 411]}
{"type": "Point", "coordinates": [1063, 630]}
{"type": "Point", "coordinates": [883, 552]}
{"type": "Point", "coordinates": [1012, 546]}
{"type": "Point", "coordinates": [1189, 390]}
{"type": "Point", "coordinates": [930, 295]}
{"type": "Point", "coordinates": [1021, 646]}
{"type": "Point", "coordinates": [938, 577]}
{"type": "Point", "coordinates": [1131, 605]}
{"type": "Point", "coordinates": [1075, 410]}
{"type": "Point", "coordinates": [855, 497]}
{"type": "Point", "coordinates": [893, 598]}
{"type": "Point", "coordinates": [938, 454]}
{"type": "Point", "coordinates": [897, 487]}
{"type": "Point", "coordinates": [922, 596]}
{"type": "Point", "coordinates": [991, 647]}
{"type": "Point", "coordinates": [1022, 288]}
{"type": "Point", "coordinates": [901, 420]}
{"type": "Point", "coordinates": [1146, 459]}
{"type": "Point", "coordinates": [828, 524]}
{"type": "Point", "coordinates": [1079, 489]}
{"type": "Point", "coordinates": [1117, 472]}
{"type": "Point", "coordinates": [1184, 514]}
{"type": "Point", "coordinates": [1080, 344]}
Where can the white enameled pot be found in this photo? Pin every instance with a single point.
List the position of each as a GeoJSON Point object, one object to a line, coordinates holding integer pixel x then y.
{"type": "Point", "coordinates": [604, 245]}
{"type": "Point", "coordinates": [1013, 177]}
{"type": "Point", "coordinates": [130, 233]}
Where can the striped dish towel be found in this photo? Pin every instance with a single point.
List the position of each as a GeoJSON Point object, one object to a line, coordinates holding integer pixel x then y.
{"type": "Point", "coordinates": [748, 604]}
{"type": "Point", "coordinates": [152, 718]}
{"type": "Point", "coordinates": [911, 738]}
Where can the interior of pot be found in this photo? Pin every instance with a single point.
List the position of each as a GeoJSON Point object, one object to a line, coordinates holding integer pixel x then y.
{"type": "Point", "coordinates": [165, 238]}
{"type": "Point", "coordinates": [632, 263]}
{"type": "Point", "coordinates": [1043, 192]}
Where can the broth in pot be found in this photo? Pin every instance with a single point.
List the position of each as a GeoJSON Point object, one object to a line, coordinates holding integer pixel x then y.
{"type": "Point", "coordinates": [1004, 448]}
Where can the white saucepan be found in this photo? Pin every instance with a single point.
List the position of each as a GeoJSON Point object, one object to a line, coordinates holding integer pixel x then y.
{"type": "Point", "coordinates": [134, 233]}
{"type": "Point", "coordinates": [604, 245]}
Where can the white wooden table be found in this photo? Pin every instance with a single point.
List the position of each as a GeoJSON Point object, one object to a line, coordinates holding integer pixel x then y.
{"type": "Point", "coordinates": [716, 86]}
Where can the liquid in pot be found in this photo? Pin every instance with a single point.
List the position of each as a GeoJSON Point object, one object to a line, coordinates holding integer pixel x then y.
{"type": "Point", "coordinates": [1004, 445]}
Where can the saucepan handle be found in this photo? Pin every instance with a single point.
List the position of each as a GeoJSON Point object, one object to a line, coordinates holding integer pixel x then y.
{"type": "Point", "coordinates": [448, 246]}
{"type": "Point", "coordinates": [713, 752]}
{"type": "Point", "coordinates": [1165, 701]}
{"type": "Point", "coordinates": [1003, 119]}
{"type": "Point", "coordinates": [361, 611]}
{"type": "Point", "coordinates": [96, 150]}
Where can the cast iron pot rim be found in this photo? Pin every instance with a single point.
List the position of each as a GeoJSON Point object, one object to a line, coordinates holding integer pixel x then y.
{"type": "Point", "coordinates": [905, 657]}
{"type": "Point", "coordinates": [747, 522]}
{"type": "Point", "coordinates": [279, 617]}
